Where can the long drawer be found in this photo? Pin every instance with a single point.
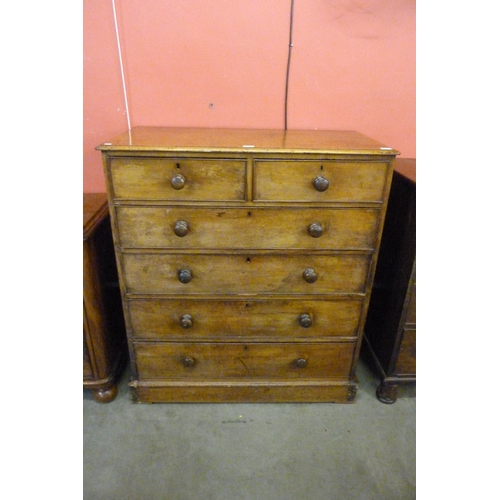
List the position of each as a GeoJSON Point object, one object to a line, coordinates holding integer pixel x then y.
{"type": "Point", "coordinates": [163, 319]}
{"type": "Point", "coordinates": [273, 228]}
{"type": "Point", "coordinates": [177, 179]}
{"type": "Point", "coordinates": [319, 181]}
{"type": "Point", "coordinates": [238, 360]}
{"type": "Point", "coordinates": [245, 274]}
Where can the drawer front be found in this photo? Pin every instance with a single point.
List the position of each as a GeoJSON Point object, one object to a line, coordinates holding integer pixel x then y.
{"type": "Point", "coordinates": [238, 360]}
{"type": "Point", "coordinates": [407, 357]}
{"type": "Point", "coordinates": [194, 179]}
{"type": "Point", "coordinates": [245, 274]}
{"type": "Point", "coordinates": [294, 181]}
{"type": "Point", "coordinates": [163, 319]}
{"type": "Point", "coordinates": [179, 227]}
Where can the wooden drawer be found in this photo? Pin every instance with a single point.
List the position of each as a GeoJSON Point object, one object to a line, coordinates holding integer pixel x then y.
{"type": "Point", "coordinates": [204, 180]}
{"type": "Point", "coordinates": [245, 274]}
{"type": "Point", "coordinates": [157, 227]}
{"type": "Point", "coordinates": [163, 319]}
{"type": "Point", "coordinates": [238, 360]}
{"type": "Point", "coordinates": [407, 356]}
{"type": "Point", "coordinates": [293, 181]}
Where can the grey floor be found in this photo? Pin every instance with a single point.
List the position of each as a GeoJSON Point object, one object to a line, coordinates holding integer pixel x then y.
{"type": "Point", "coordinates": [360, 451]}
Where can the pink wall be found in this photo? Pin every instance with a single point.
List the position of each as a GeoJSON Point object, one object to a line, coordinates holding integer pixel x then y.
{"type": "Point", "coordinates": [223, 64]}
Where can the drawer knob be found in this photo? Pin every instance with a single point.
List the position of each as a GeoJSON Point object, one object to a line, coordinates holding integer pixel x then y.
{"type": "Point", "coordinates": [310, 275]}
{"type": "Point", "coordinates": [185, 275]}
{"type": "Point", "coordinates": [305, 320]}
{"type": "Point", "coordinates": [315, 229]}
{"type": "Point", "coordinates": [188, 361]}
{"type": "Point", "coordinates": [181, 228]}
{"type": "Point", "coordinates": [321, 183]}
{"type": "Point", "coordinates": [300, 363]}
{"type": "Point", "coordinates": [186, 321]}
{"type": "Point", "coordinates": [178, 181]}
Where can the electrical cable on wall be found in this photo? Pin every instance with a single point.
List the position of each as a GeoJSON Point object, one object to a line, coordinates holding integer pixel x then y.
{"type": "Point", "coordinates": [290, 45]}
{"type": "Point", "coordinates": [121, 66]}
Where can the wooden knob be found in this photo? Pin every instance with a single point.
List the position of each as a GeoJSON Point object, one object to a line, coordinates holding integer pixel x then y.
{"type": "Point", "coordinates": [181, 228]}
{"type": "Point", "coordinates": [185, 275]}
{"type": "Point", "coordinates": [310, 275]}
{"type": "Point", "coordinates": [300, 363]}
{"type": "Point", "coordinates": [178, 181]}
{"type": "Point", "coordinates": [188, 361]}
{"type": "Point", "coordinates": [186, 321]}
{"type": "Point", "coordinates": [305, 320]}
{"type": "Point", "coordinates": [321, 183]}
{"type": "Point", "coordinates": [315, 229]}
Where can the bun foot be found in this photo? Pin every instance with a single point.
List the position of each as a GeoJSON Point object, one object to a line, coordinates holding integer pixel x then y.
{"type": "Point", "coordinates": [387, 393]}
{"type": "Point", "coordinates": [105, 394]}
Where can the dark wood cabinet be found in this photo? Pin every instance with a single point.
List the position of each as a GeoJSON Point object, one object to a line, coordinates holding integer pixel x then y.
{"type": "Point", "coordinates": [391, 326]}
{"type": "Point", "coordinates": [104, 339]}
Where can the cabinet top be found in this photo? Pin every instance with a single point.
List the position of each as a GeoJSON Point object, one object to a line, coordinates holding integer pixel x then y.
{"type": "Point", "coordinates": [245, 140]}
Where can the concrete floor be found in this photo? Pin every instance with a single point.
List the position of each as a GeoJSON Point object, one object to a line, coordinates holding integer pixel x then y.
{"type": "Point", "coordinates": [360, 451]}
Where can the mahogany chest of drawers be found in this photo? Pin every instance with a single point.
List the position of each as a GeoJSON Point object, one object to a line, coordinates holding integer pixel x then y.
{"type": "Point", "coordinates": [246, 259]}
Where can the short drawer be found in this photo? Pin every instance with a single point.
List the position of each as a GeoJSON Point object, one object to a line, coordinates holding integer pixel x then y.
{"type": "Point", "coordinates": [245, 274]}
{"type": "Point", "coordinates": [178, 179]}
{"type": "Point", "coordinates": [230, 228]}
{"type": "Point", "coordinates": [319, 181]}
{"type": "Point", "coordinates": [238, 360]}
{"type": "Point", "coordinates": [164, 319]}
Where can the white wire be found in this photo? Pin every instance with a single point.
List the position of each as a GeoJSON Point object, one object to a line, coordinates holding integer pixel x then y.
{"type": "Point", "coordinates": [121, 66]}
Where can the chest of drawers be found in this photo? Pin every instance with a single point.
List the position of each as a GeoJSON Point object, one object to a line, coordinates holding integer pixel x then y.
{"type": "Point", "coordinates": [246, 259]}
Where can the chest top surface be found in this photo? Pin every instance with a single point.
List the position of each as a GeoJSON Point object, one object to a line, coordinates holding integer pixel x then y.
{"type": "Point", "coordinates": [245, 140]}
